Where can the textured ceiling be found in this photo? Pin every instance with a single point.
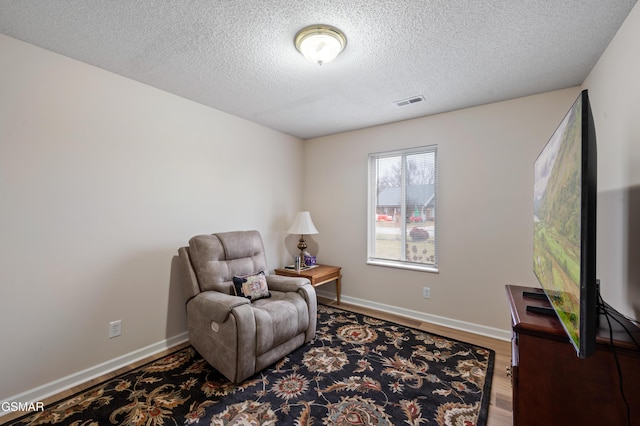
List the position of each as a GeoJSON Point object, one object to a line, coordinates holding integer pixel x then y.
{"type": "Point", "coordinates": [239, 57]}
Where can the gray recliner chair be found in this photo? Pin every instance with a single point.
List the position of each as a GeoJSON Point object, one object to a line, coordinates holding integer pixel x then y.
{"type": "Point", "coordinates": [238, 336]}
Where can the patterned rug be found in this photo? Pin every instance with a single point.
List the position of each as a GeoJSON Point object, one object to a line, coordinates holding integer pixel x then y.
{"type": "Point", "coordinates": [358, 371]}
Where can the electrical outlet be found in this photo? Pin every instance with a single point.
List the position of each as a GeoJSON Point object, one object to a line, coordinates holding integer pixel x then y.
{"type": "Point", "coordinates": [426, 292]}
{"type": "Point", "coordinates": [115, 328]}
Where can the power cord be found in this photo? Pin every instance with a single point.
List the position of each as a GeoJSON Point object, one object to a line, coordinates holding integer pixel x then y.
{"type": "Point", "coordinates": [608, 315]}
{"type": "Point", "coordinates": [623, 325]}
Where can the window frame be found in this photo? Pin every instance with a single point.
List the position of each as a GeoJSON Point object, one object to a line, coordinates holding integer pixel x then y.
{"type": "Point", "coordinates": [372, 187]}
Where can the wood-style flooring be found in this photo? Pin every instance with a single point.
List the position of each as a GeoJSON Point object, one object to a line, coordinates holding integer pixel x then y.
{"type": "Point", "coordinates": [500, 406]}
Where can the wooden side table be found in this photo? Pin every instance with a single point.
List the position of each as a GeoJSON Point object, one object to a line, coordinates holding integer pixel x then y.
{"type": "Point", "coordinates": [319, 275]}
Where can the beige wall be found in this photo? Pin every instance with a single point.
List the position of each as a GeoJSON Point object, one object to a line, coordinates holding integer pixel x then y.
{"type": "Point", "coordinates": [486, 157]}
{"type": "Point", "coordinates": [614, 90]}
{"type": "Point", "coordinates": [101, 180]}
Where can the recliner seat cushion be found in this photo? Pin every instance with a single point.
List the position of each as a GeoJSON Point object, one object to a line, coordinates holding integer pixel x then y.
{"type": "Point", "coordinates": [274, 319]}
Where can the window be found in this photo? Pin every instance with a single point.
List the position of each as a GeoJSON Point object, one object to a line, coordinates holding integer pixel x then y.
{"type": "Point", "coordinates": [402, 226]}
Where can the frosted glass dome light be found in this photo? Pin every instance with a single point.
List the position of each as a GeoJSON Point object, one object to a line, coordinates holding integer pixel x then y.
{"type": "Point", "coordinates": [320, 44]}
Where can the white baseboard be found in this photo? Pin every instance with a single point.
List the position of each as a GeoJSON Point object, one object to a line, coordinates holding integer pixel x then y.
{"type": "Point", "coordinates": [482, 330]}
{"type": "Point", "coordinates": [75, 379]}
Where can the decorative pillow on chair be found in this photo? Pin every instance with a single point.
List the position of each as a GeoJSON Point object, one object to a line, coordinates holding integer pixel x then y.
{"type": "Point", "coordinates": [253, 287]}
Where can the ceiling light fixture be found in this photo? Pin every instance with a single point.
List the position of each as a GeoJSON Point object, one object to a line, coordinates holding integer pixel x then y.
{"type": "Point", "coordinates": [320, 43]}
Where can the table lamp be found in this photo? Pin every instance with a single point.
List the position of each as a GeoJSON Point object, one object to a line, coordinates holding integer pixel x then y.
{"type": "Point", "coordinates": [302, 224]}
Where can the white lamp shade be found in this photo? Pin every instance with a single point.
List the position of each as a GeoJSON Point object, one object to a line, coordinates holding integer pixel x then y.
{"type": "Point", "coordinates": [302, 224]}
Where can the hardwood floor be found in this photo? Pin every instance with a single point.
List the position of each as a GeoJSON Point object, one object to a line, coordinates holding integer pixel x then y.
{"type": "Point", "coordinates": [500, 405]}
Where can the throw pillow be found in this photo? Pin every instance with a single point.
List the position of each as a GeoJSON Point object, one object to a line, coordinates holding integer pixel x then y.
{"type": "Point", "coordinates": [253, 287]}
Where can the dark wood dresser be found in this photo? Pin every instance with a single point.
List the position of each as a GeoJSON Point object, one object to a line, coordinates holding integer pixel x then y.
{"type": "Point", "coordinates": [552, 386]}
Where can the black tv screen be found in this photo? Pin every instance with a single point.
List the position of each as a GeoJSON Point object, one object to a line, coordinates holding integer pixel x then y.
{"type": "Point", "coordinates": [564, 224]}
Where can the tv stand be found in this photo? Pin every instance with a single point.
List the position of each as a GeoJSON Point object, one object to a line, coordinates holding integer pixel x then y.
{"type": "Point", "coordinates": [552, 386]}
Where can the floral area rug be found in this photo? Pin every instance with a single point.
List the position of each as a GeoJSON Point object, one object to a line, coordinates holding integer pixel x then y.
{"type": "Point", "coordinates": [358, 371]}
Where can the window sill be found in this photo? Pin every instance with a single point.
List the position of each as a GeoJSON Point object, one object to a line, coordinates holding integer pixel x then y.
{"type": "Point", "coordinates": [403, 265]}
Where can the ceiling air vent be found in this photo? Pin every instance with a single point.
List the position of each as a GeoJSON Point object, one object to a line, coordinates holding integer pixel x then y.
{"type": "Point", "coordinates": [409, 101]}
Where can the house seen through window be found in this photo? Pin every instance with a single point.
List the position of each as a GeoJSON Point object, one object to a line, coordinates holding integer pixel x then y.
{"type": "Point", "coordinates": [402, 221]}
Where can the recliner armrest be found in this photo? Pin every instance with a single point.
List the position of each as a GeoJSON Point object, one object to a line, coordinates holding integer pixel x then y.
{"type": "Point", "coordinates": [216, 306]}
{"type": "Point", "coordinates": [286, 284]}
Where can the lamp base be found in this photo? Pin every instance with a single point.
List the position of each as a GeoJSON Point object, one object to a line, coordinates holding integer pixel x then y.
{"type": "Point", "coordinates": [302, 245]}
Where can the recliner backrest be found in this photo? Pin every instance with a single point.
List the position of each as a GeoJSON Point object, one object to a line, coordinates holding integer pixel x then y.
{"type": "Point", "coordinates": [217, 258]}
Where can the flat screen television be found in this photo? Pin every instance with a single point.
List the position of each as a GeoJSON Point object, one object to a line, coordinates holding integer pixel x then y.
{"type": "Point", "coordinates": [564, 224]}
